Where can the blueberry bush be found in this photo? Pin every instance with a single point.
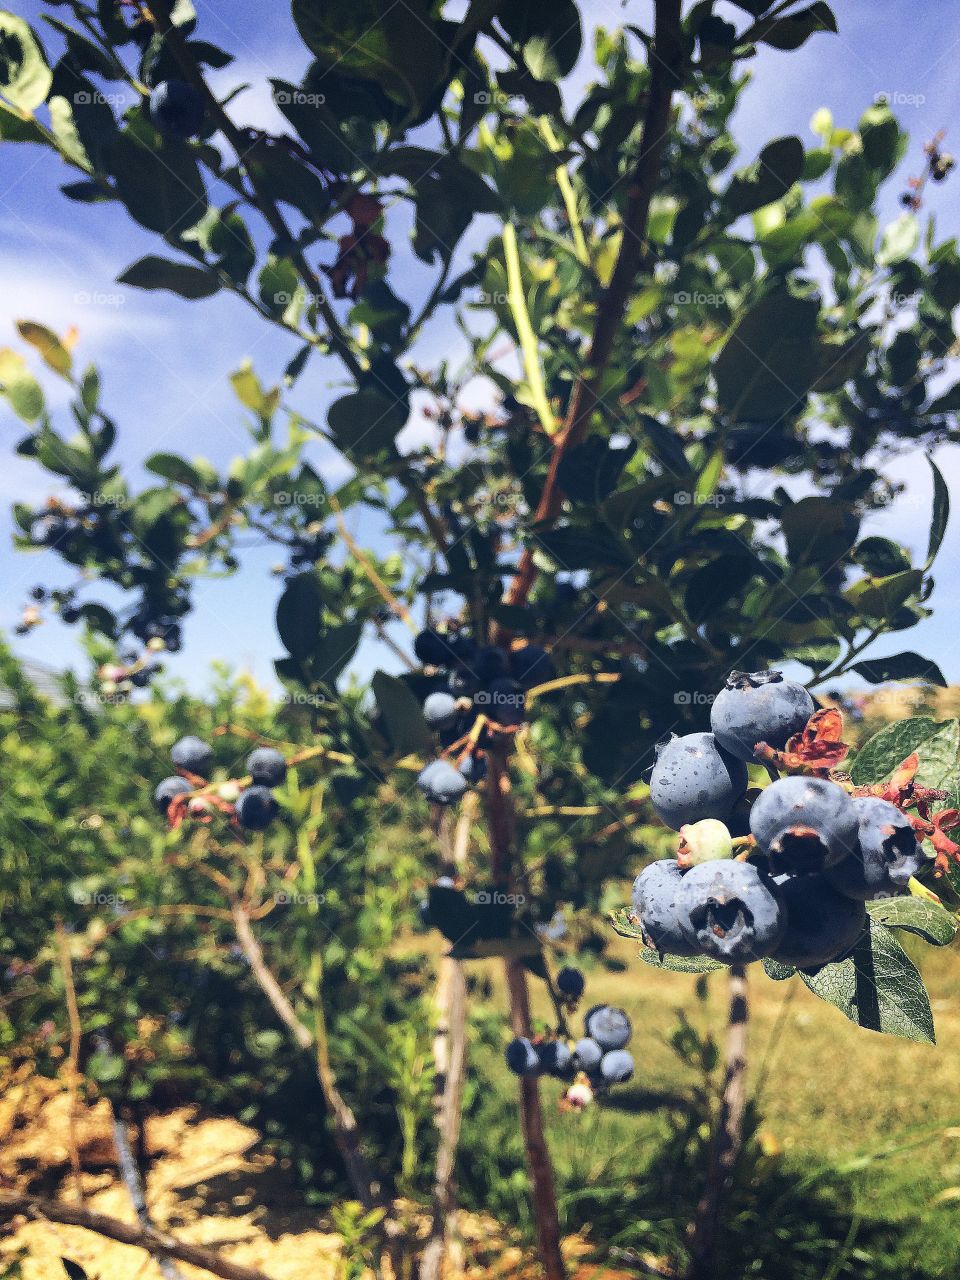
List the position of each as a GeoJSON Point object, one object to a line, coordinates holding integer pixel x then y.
{"type": "Point", "coordinates": [587, 589]}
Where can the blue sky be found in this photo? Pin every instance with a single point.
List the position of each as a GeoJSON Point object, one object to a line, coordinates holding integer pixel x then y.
{"type": "Point", "coordinates": [165, 362]}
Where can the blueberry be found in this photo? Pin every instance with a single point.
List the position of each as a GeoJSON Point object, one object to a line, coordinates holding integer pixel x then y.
{"type": "Point", "coordinates": [193, 755]}
{"type": "Point", "coordinates": [504, 701]}
{"type": "Point", "coordinates": [474, 768]}
{"type": "Point", "coordinates": [556, 1059]}
{"type": "Point", "coordinates": [168, 789]}
{"type": "Point", "coordinates": [256, 808]}
{"type": "Point", "coordinates": [441, 783]}
{"type": "Point", "coordinates": [656, 893]}
{"type": "Point", "coordinates": [609, 1026]}
{"type": "Point", "coordinates": [570, 982]}
{"type": "Point", "coordinates": [463, 683]}
{"type": "Point", "coordinates": [176, 109]}
{"type": "Point", "coordinates": [587, 1054]}
{"type": "Point", "coordinates": [762, 707]}
{"type": "Point", "coordinates": [531, 665]}
{"type": "Point", "coordinates": [694, 778]}
{"type": "Point", "coordinates": [267, 767]}
{"type": "Point", "coordinates": [433, 649]}
{"type": "Point", "coordinates": [731, 911]}
{"type": "Point", "coordinates": [440, 710]}
{"type": "Point", "coordinates": [490, 663]}
{"type": "Point", "coordinates": [822, 925]}
{"type": "Point", "coordinates": [804, 824]}
{"type": "Point", "coordinates": [522, 1058]}
{"type": "Point", "coordinates": [889, 853]}
{"type": "Point", "coordinates": [616, 1067]}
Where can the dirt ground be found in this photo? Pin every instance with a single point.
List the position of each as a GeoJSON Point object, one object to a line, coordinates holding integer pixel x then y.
{"type": "Point", "coordinates": [210, 1183]}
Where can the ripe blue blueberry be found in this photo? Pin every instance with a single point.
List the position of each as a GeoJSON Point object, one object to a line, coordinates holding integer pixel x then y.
{"type": "Point", "coordinates": [616, 1067]}
{"type": "Point", "coordinates": [490, 663]}
{"type": "Point", "coordinates": [504, 701]}
{"type": "Point", "coordinates": [522, 1058]}
{"type": "Point", "coordinates": [267, 767]}
{"type": "Point", "coordinates": [474, 768]}
{"type": "Point", "coordinates": [256, 808]}
{"type": "Point", "coordinates": [888, 853]}
{"type": "Point", "coordinates": [531, 665]}
{"type": "Point", "coordinates": [822, 924]}
{"type": "Point", "coordinates": [656, 904]}
{"type": "Point", "coordinates": [804, 824]}
{"type": "Point", "coordinates": [441, 783]}
{"type": "Point", "coordinates": [433, 649]}
{"type": "Point", "coordinates": [694, 778]}
{"type": "Point", "coordinates": [168, 790]}
{"type": "Point", "coordinates": [192, 755]}
{"type": "Point", "coordinates": [570, 982]}
{"type": "Point", "coordinates": [176, 109]}
{"type": "Point", "coordinates": [762, 707]}
{"type": "Point", "coordinates": [556, 1059]}
{"type": "Point", "coordinates": [730, 911]}
{"type": "Point", "coordinates": [609, 1026]}
{"type": "Point", "coordinates": [440, 710]}
{"type": "Point", "coordinates": [587, 1054]}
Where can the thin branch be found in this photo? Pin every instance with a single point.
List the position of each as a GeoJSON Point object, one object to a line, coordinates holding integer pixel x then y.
{"type": "Point", "coordinates": [665, 60]}
{"type": "Point", "coordinates": [546, 1216]}
{"type": "Point", "coordinates": [73, 1069]}
{"type": "Point", "coordinates": [727, 1139]}
{"type": "Point", "coordinates": [158, 1243]}
{"type": "Point", "coordinates": [344, 1121]}
{"type": "Point", "coordinates": [130, 1175]}
{"type": "Point", "coordinates": [366, 564]}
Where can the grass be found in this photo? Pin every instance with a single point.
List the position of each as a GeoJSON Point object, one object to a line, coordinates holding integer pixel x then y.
{"type": "Point", "coordinates": [858, 1135]}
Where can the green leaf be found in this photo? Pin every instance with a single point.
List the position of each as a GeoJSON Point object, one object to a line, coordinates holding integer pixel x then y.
{"type": "Point", "coordinates": [880, 556]}
{"type": "Point", "coordinates": [406, 727]}
{"type": "Point", "coordinates": [401, 47]}
{"type": "Point", "coordinates": [777, 971]}
{"type": "Point", "coordinates": [772, 174]}
{"type": "Point", "coordinates": [882, 597]}
{"type": "Point", "coordinates": [768, 363]}
{"type": "Point", "coordinates": [367, 420]}
{"type": "Point", "coordinates": [332, 650]}
{"type": "Point", "coordinates": [298, 615]}
{"type": "Point", "coordinates": [626, 928]}
{"type": "Point", "coordinates": [880, 755]}
{"type": "Point", "coordinates": [916, 915]}
{"type": "Point", "coordinates": [54, 354]}
{"type": "Point", "coordinates": [160, 273]}
{"type": "Point", "coordinates": [680, 964]}
{"type": "Point", "coordinates": [940, 515]}
{"type": "Point", "coordinates": [25, 78]}
{"type": "Point", "coordinates": [900, 666]}
{"type": "Point", "coordinates": [19, 386]}
{"type": "Point", "coordinates": [575, 548]}
{"type": "Point", "coordinates": [878, 988]}
{"type": "Point", "coordinates": [819, 530]}
{"type": "Point", "coordinates": [940, 756]}
{"type": "Point", "coordinates": [795, 29]}
{"type": "Point", "coordinates": [899, 240]}
{"type": "Point", "coordinates": [172, 467]}
{"type": "Point", "coordinates": [223, 234]}
{"type": "Point", "coordinates": [163, 190]}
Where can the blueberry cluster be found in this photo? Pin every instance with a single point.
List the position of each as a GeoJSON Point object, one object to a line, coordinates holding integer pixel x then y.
{"type": "Point", "coordinates": [254, 806]}
{"type": "Point", "coordinates": [595, 1062]}
{"type": "Point", "coordinates": [813, 853]}
{"type": "Point", "coordinates": [480, 691]}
